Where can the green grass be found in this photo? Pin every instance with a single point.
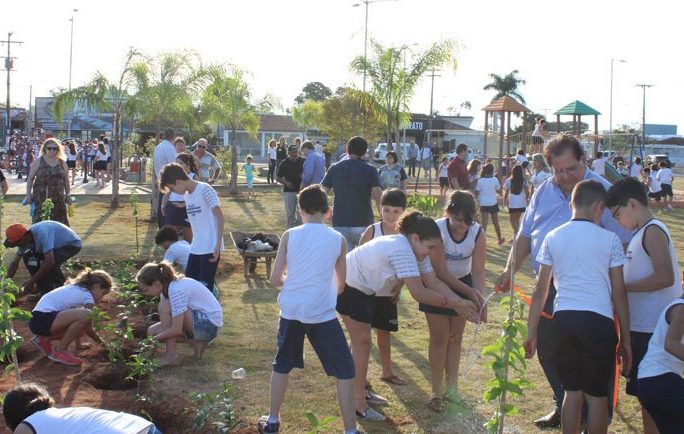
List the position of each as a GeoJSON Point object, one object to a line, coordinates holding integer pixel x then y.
{"type": "Point", "coordinates": [251, 319]}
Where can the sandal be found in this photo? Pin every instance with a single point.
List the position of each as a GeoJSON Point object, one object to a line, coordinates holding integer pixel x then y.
{"type": "Point", "coordinates": [436, 404]}
{"type": "Point", "coordinates": [393, 379]}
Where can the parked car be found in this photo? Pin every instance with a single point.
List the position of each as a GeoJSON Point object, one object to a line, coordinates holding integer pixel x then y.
{"type": "Point", "coordinates": [657, 158]}
{"type": "Point", "coordinates": [382, 149]}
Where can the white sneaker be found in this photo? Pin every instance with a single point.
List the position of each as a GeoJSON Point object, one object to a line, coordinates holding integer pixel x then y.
{"type": "Point", "coordinates": [374, 399]}
{"type": "Point", "coordinates": [370, 414]}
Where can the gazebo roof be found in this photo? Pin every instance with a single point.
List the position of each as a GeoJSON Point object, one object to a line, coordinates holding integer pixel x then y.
{"type": "Point", "coordinates": [506, 104]}
{"type": "Point", "coordinates": [577, 107]}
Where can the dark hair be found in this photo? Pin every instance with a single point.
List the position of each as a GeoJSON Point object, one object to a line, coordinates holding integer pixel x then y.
{"type": "Point", "coordinates": [22, 401]}
{"type": "Point", "coordinates": [599, 154]}
{"type": "Point", "coordinates": [461, 147]}
{"type": "Point", "coordinates": [307, 145]}
{"type": "Point", "coordinates": [166, 233]}
{"type": "Point", "coordinates": [105, 139]}
{"type": "Point", "coordinates": [171, 173]}
{"type": "Point", "coordinates": [357, 145]}
{"type": "Point", "coordinates": [624, 190]}
{"type": "Point", "coordinates": [473, 166]}
{"type": "Point", "coordinates": [462, 203]}
{"type": "Point", "coordinates": [517, 179]}
{"type": "Point", "coordinates": [393, 197]}
{"type": "Point", "coordinates": [654, 167]}
{"type": "Point", "coordinates": [72, 148]}
{"type": "Point", "coordinates": [561, 144]}
{"type": "Point", "coordinates": [191, 160]}
{"type": "Point", "coordinates": [663, 163]}
{"type": "Point", "coordinates": [101, 148]}
{"type": "Point", "coordinates": [521, 151]}
{"type": "Point", "coordinates": [393, 155]}
{"type": "Point", "coordinates": [414, 222]}
{"type": "Point", "coordinates": [586, 193]}
{"type": "Point", "coordinates": [313, 200]}
{"type": "Point", "coordinates": [169, 134]}
{"type": "Point", "coordinates": [162, 272]}
{"type": "Point", "coordinates": [646, 169]}
{"type": "Point", "coordinates": [487, 170]}
{"type": "Point", "coordinates": [637, 160]}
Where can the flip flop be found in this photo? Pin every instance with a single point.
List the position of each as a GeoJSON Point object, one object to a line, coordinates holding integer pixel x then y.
{"type": "Point", "coordinates": [393, 379]}
{"type": "Point", "coordinates": [436, 404]}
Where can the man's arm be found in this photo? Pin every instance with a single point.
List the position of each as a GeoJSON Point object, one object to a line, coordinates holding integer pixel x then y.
{"type": "Point", "coordinates": [541, 292]}
{"type": "Point", "coordinates": [376, 194]}
{"type": "Point", "coordinates": [307, 171]}
{"type": "Point", "coordinates": [523, 247]}
{"type": "Point", "coordinates": [45, 267]}
{"type": "Point", "coordinates": [12, 267]}
{"type": "Point", "coordinates": [217, 169]}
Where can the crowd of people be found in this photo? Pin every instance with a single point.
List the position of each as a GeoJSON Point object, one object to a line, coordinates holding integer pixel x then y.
{"type": "Point", "coordinates": [608, 280]}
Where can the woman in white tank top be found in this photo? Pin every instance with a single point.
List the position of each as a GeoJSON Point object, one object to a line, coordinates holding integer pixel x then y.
{"type": "Point", "coordinates": [461, 265]}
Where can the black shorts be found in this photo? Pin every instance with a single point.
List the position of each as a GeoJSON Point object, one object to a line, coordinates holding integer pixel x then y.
{"type": "Point", "coordinates": [385, 315]}
{"type": "Point", "coordinates": [176, 216]}
{"type": "Point", "coordinates": [443, 182]}
{"type": "Point", "coordinates": [639, 342]}
{"type": "Point", "coordinates": [655, 196]}
{"type": "Point", "coordinates": [202, 269]}
{"type": "Point", "coordinates": [467, 279]}
{"type": "Point", "coordinates": [536, 140]}
{"type": "Point", "coordinates": [326, 338]}
{"type": "Point", "coordinates": [101, 165]}
{"type": "Point", "coordinates": [109, 160]}
{"type": "Point", "coordinates": [71, 164]}
{"type": "Point", "coordinates": [492, 209]}
{"type": "Point", "coordinates": [356, 304]}
{"type": "Point", "coordinates": [666, 190]}
{"type": "Point", "coordinates": [41, 322]}
{"type": "Point", "coordinates": [585, 353]}
{"type": "Point", "coordinates": [516, 210]}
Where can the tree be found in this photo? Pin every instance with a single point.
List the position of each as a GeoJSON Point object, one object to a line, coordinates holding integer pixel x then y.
{"type": "Point", "coordinates": [315, 91]}
{"type": "Point", "coordinates": [308, 115]}
{"type": "Point", "coordinates": [393, 83]}
{"type": "Point", "coordinates": [506, 85]}
{"type": "Point", "coordinates": [104, 95]}
{"type": "Point", "coordinates": [226, 100]}
{"type": "Point", "coordinates": [349, 113]}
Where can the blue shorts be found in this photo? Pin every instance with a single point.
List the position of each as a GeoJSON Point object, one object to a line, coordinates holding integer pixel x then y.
{"type": "Point", "coordinates": [326, 338]}
{"type": "Point", "coordinates": [203, 329]}
{"type": "Point", "coordinates": [663, 397]}
{"type": "Point", "coordinates": [176, 216]}
{"type": "Point", "coordinates": [41, 322]}
{"type": "Point", "coordinates": [250, 183]}
{"type": "Point", "coordinates": [467, 279]}
{"type": "Point", "coordinates": [200, 269]}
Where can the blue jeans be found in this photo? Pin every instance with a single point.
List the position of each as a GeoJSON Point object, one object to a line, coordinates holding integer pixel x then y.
{"type": "Point", "coordinates": [154, 430]}
{"type": "Point", "coordinates": [352, 234]}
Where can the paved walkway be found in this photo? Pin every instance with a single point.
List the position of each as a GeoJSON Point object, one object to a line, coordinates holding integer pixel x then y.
{"type": "Point", "coordinates": [18, 187]}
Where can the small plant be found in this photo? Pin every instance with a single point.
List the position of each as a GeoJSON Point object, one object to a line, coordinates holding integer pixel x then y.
{"type": "Point", "coordinates": [321, 425]}
{"type": "Point", "coordinates": [133, 202]}
{"type": "Point", "coordinates": [141, 364]}
{"type": "Point", "coordinates": [116, 334]}
{"type": "Point", "coordinates": [428, 205]}
{"type": "Point", "coordinates": [214, 410]}
{"type": "Point", "coordinates": [46, 209]}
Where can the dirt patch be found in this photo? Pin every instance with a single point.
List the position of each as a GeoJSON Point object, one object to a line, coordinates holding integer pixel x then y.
{"type": "Point", "coordinates": [172, 415]}
{"type": "Point", "coordinates": [106, 376]}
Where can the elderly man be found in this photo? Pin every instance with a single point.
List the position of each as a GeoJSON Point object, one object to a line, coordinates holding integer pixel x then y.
{"type": "Point", "coordinates": [290, 175]}
{"type": "Point", "coordinates": [412, 156]}
{"type": "Point", "coordinates": [210, 168]}
{"type": "Point", "coordinates": [164, 153]}
{"type": "Point", "coordinates": [548, 209]}
{"type": "Point", "coordinates": [314, 165]}
{"type": "Point", "coordinates": [354, 182]}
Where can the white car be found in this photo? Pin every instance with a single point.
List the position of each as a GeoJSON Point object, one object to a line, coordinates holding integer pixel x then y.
{"type": "Point", "coordinates": [381, 151]}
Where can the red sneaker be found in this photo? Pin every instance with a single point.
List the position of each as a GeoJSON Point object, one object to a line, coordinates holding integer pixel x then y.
{"type": "Point", "coordinates": [65, 358]}
{"type": "Point", "coordinates": [42, 344]}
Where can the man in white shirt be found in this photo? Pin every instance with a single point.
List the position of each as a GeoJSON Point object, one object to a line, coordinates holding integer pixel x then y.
{"type": "Point", "coordinates": [164, 153]}
{"type": "Point", "coordinates": [599, 164]}
{"type": "Point", "coordinates": [425, 157]}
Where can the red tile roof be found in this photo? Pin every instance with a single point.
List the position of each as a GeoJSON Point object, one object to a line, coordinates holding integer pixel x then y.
{"type": "Point", "coordinates": [278, 123]}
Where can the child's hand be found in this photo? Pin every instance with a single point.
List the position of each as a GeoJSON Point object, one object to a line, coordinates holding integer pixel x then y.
{"type": "Point", "coordinates": [467, 309]}
{"type": "Point", "coordinates": [530, 346]}
{"type": "Point", "coordinates": [503, 282]}
{"type": "Point", "coordinates": [625, 355]}
{"type": "Point", "coordinates": [216, 255]}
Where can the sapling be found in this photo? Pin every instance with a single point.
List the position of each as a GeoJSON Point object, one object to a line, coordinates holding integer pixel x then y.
{"type": "Point", "coordinates": [46, 209]}
{"type": "Point", "coordinates": [133, 202]}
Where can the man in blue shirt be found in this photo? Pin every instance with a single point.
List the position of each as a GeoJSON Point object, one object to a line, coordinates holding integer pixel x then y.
{"type": "Point", "coordinates": [314, 165]}
{"type": "Point", "coordinates": [548, 209]}
{"type": "Point", "coordinates": [354, 182]}
{"type": "Point", "coordinates": [44, 247]}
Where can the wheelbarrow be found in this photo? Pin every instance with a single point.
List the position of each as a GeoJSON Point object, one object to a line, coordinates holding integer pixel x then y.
{"type": "Point", "coordinates": [250, 258]}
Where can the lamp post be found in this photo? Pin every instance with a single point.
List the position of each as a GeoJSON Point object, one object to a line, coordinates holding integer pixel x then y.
{"type": "Point", "coordinates": [71, 45]}
{"type": "Point", "coordinates": [365, 33]}
{"type": "Point", "coordinates": [610, 116]}
{"type": "Point", "coordinates": [643, 87]}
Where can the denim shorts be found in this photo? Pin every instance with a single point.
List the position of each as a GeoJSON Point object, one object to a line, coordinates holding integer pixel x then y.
{"type": "Point", "coordinates": [203, 329]}
{"type": "Point", "coordinates": [352, 234]}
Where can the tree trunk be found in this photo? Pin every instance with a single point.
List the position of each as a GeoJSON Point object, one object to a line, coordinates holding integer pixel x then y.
{"type": "Point", "coordinates": [115, 161]}
{"type": "Point", "coordinates": [232, 188]}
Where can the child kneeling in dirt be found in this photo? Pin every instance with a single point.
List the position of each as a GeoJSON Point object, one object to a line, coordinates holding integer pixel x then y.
{"type": "Point", "coordinates": [64, 315]}
{"type": "Point", "coordinates": [187, 310]}
{"type": "Point", "coordinates": [29, 409]}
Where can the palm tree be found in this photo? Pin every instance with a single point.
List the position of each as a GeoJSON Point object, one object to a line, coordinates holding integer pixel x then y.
{"type": "Point", "coordinates": [506, 85]}
{"type": "Point", "coordinates": [227, 100]}
{"type": "Point", "coordinates": [104, 95]}
{"type": "Point", "coordinates": [393, 82]}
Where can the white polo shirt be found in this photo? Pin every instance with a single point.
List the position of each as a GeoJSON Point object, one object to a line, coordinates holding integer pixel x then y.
{"type": "Point", "coordinates": [199, 205]}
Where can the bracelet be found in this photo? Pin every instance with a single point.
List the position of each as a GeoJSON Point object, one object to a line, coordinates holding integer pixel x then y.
{"type": "Point", "coordinates": [444, 300]}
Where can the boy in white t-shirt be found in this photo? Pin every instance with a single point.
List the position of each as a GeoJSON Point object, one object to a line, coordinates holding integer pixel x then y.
{"type": "Point", "coordinates": [176, 251]}
{"type": "Point", "coordinates": [206, 220]}
{"type": "Point", "coordinates": [665, 178]}
{"type": "Point", "coordinates": [651, 271]}
{"type": "Point", "coordinates": [313, 257]}
{"type": "Point", "coordinates": [585, 262]}
{"type": "Point", "coordinates": [487, 187]}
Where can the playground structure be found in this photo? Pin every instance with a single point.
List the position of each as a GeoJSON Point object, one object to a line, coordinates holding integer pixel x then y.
{"type": "Point", "coordinates": [502, 106]}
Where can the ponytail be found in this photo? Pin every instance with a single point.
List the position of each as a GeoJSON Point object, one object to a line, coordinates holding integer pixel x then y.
{"type": "Point", "coordinates": [161, 272]}
{"type": "Point", "coordinates": [414, 222]}
{"type": "Point", "coordinates": [87, 278]}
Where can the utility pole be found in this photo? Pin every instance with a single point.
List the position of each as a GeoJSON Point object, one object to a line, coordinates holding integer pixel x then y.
{"type": "Point", "coordinates": [610, 121]}
{"type": "Point", "coordinates": [429, 138]}
{"type": "Point", "coordinates": [9, 64]}
{"type": "Point", "coordinates": [643, 87]}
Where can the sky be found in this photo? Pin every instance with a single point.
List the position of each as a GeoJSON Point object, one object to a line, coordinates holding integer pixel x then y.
{"type": "Point", "coordinates": [562, 49]}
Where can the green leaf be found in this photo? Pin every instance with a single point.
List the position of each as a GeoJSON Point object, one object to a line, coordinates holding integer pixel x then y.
{"type": "Point", "coordinates": [313, 420]}
{"type": "Point", "coordinates": [511, 410]}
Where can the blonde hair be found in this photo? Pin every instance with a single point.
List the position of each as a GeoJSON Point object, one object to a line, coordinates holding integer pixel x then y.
{"type": "Point", "coordinates": [60, 148]}
{"type": "Point", "coordinates": [161, 272]}
{"type": "Point", "coordinates": [87, 278]}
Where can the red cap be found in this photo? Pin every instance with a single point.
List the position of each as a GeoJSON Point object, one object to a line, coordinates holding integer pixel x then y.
{"type": "Point", "coordinates": [14, 232]}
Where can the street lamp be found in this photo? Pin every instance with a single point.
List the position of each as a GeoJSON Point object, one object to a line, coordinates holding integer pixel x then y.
{"type": "Point", "coordinates": [610, 116]}
{"type": "Point", "coordinates": [71, 57]}
{"type": "Point", "coordinates": [365, 33]}
{"type": "Point", "coordinates": [643, 86]}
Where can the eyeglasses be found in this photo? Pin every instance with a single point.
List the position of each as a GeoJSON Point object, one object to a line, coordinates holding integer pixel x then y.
{"type": "Point", "coordinates": [50, 149]}
{"type": "Point", "coordinates": [200, 146]}
{"type": "Point", "coordinates": [616, 212]}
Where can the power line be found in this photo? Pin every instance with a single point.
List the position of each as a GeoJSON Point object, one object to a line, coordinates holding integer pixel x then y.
{"type": "Point", "coordinates": [9, 64]}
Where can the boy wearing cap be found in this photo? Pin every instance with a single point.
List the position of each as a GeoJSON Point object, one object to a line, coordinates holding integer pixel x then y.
{"type": "Point", "coordinates": [290, 175]}
{"type": "Point", "coordinates": [44, 247]}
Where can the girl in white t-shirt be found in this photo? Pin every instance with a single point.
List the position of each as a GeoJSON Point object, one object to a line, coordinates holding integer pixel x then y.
{"type": "Point", "coordinates": [460, 264]}
{"type": "Point", "coordinates": [443, 175]}
{"type": "Point", "coordinates": [29, 409]}
{"type": "Point", "coordinates": [64, 315]}
{"type": "Point", "coordinates": [487, 188]}
{"type": "Point", "coordinates": [72, 156]}
{"type": "Point", "coordinates": [516, 195]}
{"type": "Point", "coordinates": [101, 164]}
{"type": "Point", "coordinates": [187, 310]}
{"type": "Point", "coordinates": [377, 267]}
{"type": "Point", "coordinates": [648, 178]}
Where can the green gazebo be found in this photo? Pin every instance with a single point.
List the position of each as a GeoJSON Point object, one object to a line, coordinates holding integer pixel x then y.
{"type": "Point", "coordinates": [578, 109]}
